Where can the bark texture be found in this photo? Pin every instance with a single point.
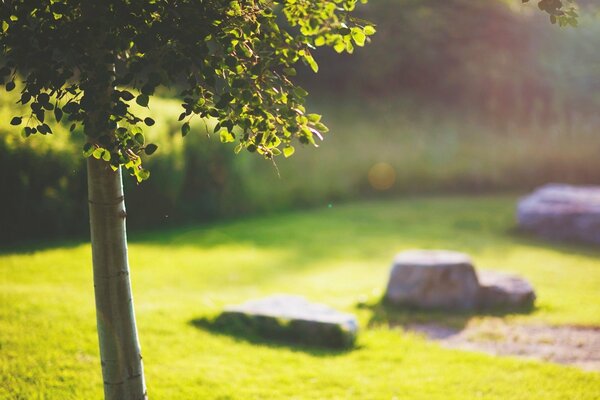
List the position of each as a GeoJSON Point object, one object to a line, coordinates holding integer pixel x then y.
{"type": "Point", "coordinates": [120, 354]}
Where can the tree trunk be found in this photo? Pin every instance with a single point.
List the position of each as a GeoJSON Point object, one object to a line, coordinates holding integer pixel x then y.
{"type": "Point", "coordinates": [120, 355]}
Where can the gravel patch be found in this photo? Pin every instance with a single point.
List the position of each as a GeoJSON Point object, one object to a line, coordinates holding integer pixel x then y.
{"type": "Point", "coordinates": [571, 345]}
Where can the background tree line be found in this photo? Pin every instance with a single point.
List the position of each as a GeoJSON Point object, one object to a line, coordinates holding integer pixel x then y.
{"type": "Point", "coordinates": [495, 57]}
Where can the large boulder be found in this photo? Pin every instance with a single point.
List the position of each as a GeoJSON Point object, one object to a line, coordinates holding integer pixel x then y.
{"type": "Point", "coordinates": [447, 280]}
{"type": "Point", "coordinates": [433, 279]}
{"type": "Point", "coordinates": [562, 212]}
{"type": "Point", "coordinates": [294, 319]}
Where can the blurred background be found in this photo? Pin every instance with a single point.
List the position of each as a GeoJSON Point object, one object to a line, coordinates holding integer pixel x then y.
{"type": "Point", "coordinates": [454, 96]}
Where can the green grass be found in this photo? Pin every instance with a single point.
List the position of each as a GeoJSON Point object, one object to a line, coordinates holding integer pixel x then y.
{"type": "Point", "coordinates": [339, 255]}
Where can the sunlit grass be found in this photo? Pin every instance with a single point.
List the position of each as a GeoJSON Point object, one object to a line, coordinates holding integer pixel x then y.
{"type": "Point", "coordinates": [339, 255]}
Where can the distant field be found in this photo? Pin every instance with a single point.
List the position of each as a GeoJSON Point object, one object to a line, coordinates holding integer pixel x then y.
{"type": "Point", "coordinates": [339, 255]}
{"type": "Point", "coordinates": [430, 151]}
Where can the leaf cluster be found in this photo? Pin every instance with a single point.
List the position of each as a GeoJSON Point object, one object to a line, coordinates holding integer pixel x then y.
{"type": "Point", "coordinates": [563, 12]}
{"type": "Point", "coordinates": [86, 62]}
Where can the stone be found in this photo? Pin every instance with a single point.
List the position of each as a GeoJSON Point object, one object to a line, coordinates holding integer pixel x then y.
{"type": "Point", "coordinates": [433, 279]}
{"type": "Point", "coordinates": [447, 280]}
{"type": "Point", "coordinates": [562, 212]}
{"type": "Point", "coordinates": [295, 319]}
{"type": "Point", "coordinates": [501, 290]}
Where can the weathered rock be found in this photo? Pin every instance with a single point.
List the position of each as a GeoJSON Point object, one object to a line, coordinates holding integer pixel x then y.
{"type": "Point", "coordinates": [433, 279]}
{"type": "Point", "coordinates": [293, 318]}
{"type": "Point", "coordinates": [439, 279]}
{"type": "Point", "coordinates": [562, 212]}
{"type": "Point", "coordinates": [501, 290]}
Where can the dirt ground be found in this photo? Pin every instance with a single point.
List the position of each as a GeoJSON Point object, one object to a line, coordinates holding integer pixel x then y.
{"type": "Point", "coordinates": [572, 345]}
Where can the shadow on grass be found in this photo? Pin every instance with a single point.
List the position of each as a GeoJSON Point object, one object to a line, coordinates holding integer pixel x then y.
{"type": "Point", "coordinates": [362, 230]}
{"type": "Point", "coordinates": [33, 246]}
{"type": "Point", "coordinates": [570, 247]}
{"type": "Point", "coordinates": [450, 322]}
{"type": "Point", "coordinates": [270, 333]}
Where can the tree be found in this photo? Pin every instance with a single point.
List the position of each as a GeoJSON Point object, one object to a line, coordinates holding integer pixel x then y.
{"type": "Point", "coordinates": [86, 61]}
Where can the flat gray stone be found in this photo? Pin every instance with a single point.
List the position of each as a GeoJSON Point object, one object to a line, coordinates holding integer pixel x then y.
{"type": "Point", "coordinates": [295, 319]}
{"type": "Point", "coordinates": [562, 212]}
{"type": "Point", "coordinates": [501, 290]}
{"type": "Point", "coordinates": [433, 279]}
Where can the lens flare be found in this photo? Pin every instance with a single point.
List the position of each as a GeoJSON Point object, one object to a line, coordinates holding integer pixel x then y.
{"type": "Point", "coordinates": [382, 176]}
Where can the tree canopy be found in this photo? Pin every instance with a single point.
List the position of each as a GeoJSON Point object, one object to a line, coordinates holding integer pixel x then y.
{"type": "Point", "coordinates": [86, 62]}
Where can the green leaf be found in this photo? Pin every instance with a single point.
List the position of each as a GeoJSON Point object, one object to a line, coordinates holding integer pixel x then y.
{"type": "Point", "coordinates": [16, 121]}
{"type": "Point", "coordinates": [150, 149]}
{"type": "Point", "coordinates": [358, 36]}
{"type": "Point", "coordinates": [143, 100]}
{"type": "Point", "coordinates": [369, 30]}
{"type": "Point", "coordinates": [321, 127]}
{"type": "Point", "coordinates": [311, 62]}
{"type": "Point", "coordinates": [139, 138]}
{"type": "Point", "coordinates": [88, 149]}
{"type": "Point", "coordinates": [97, 153]}
{"type": "Point", "coordinates": [44, 129]}
{"type": "Point", "coordinates": [274, 141]}
{"type": "Point", "coordinates": [314, 117]}
{"type": "Point", "coordinates": [58, 114]}
{"type": "Point", "coordinates": [43, 98]}
{"type": "Point", "coordinates": [127, 96]}
{"type": "Point", "coordinates": [288, 151]}
{"type": "Point", "coordinates": [339, 47]}
{"type": "Point", "coordinates": [106, 155]}
{"type": "Point", "coordinates": [349, 47]}
{"type": "Point", "coordinates": [10, 86]}
{"type": "Point", "coordinates": [300, 92]}
{"type": "Point", "coordinates": [185, 129]}
{"type": "Point", "coordinates": [143, 174]}
{"type": "Point", "coordinates": [226, 136]}
{"type": "Point", "coordinates": [344, 31]}
{"type": "Point", "coordinates": [289, 71]}
{"type": "Point", "coordinates": [149, 121]}
{"type": "Point", "coordinates": [25, 97]}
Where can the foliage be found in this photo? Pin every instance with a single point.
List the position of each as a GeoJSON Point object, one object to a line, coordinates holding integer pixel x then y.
{"type": "Point", "coordinates": [234, 60]}
{"type": "Point", "coordinates": [338, 256]}
{"type": "Point", "coordinates": [562, 11]}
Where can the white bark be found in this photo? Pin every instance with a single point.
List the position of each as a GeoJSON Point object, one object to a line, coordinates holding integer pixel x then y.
{"type": "Point", "coordinates": [120, 354]}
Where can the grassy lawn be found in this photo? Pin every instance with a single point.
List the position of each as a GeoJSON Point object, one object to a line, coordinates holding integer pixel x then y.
{"type": "Point", "coordinates": [339, 255]}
